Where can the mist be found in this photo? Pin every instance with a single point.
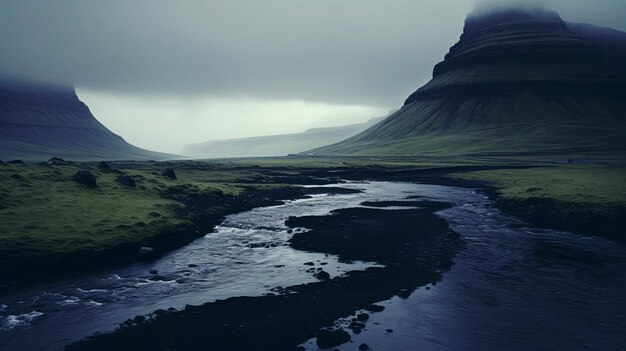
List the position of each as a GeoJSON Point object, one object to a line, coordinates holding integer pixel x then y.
{"type": "Point", "coordinates": [364, 56]}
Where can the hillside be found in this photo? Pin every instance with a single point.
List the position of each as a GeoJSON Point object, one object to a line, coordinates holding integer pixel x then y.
{"type": "Point", "coordinates": [39, 122]}
{"type": "Point", "coordinates": [276, 145]}
{"type": "Point", "coordinates": [516, 83]}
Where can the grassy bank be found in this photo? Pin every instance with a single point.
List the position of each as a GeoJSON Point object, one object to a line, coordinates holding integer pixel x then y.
{"type": "Point", "coordinates": [53, 225]}
{"type": "Point", "coordinates": [587, 199]}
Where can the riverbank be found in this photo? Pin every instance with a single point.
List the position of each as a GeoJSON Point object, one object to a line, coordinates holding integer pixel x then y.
{"type": "Point", "coordinates": [53, 226]}
{"type": "Point", "coordinates": [415, 245]}
{"type": "Point", "coordinates": [583, 199]}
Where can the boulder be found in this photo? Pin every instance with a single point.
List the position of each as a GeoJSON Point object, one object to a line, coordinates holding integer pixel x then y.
{"type": "Point", "coordinates": [169, 173]}
{"type": "Point", "coordinates": [56, 161]}
{"type": "Point", "coordinates": [331, 338]}
{"type": "Point", "coordinates": [125, 180]}
{"type": "Point", "coordinates": [322, 275]}
{"type": "Point", "coordinates": [363, 316]}
{"type": "Point", "coordinates": [85, 177]}
{"type": "Point", "coordinates": [104, 166]}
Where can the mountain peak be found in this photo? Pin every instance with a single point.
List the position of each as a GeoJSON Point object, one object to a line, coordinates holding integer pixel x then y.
{"type": "Point", "coordinates": [483, 17]}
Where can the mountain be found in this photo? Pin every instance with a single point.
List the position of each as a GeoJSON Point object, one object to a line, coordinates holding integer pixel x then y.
{"type": "Point", "coordinates": [38, 122]}
{"type": "Point", "coordinates": [276, 145]}
{"type": "Point", "coordinates": [518, 82]}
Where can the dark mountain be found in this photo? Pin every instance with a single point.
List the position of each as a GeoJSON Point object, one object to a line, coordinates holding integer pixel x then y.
{"type": "Point", "coordinates": [39, 122]}
{"type": "Point", "coordinates": [517, 83]}
{"type": "Point", "coordinates": [276, 145]}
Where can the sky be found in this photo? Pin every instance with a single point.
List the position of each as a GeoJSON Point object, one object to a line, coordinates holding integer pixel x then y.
{"type": "Point", "coordinates": [163, 74]}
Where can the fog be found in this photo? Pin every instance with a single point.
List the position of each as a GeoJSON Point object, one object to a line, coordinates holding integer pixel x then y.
{"type": "Point", "coordinates": [189, 71]}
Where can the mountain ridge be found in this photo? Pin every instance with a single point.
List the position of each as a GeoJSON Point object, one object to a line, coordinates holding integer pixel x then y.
{"type": "Point", "coordinates": [42, 121]}
{"type": "Point", "coordinates": [276, 145]}
{"type": "Point", "coordinates": [515, 82]}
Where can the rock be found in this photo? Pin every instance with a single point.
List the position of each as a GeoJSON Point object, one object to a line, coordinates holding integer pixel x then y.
{"type": "Point", "coordinates": [322, 275]}
{"type": "Point", "coordinates": [356, 330]}
{"type": "Point", "coordinates": [126, 180]}
{"type": "Point", "coordinates": [331, 338]}
{"type": "Point", "coordinates": [139, 319]}
{"type": "Point", "coordinates": [355, 324]}
{"type": "Point", "coordinates": [56, 161]}
{"type": "Point", "coordinates": [309, 264]}
{"type": "Point", "coordinates": [191, 265]}
{"type": "Point", "coordinates": [104, 166]}
{"type": "Point", "coordinates": [374, 308]}
{"type": "Point", "coordinates": [363, 316]}
{"type": "Point", "coordinates": [169, 173]}
{"type": "Point", "coordinates": [389, 330]}
{"type": "Point", "coordinates": [364, 347]}
{"type": "Point", "coordinates": [85, 177]}
{"type": "Point", "coordinates": [144, 251]}
{"type": "Point", "coordinates": [16, 162]}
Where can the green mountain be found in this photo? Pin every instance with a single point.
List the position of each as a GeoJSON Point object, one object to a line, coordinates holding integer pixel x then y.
{"type": "Point", "coordinates": [38, 122]}
{"type": "Point", "coordinates": [276, 145]}
{"type": "Point", "coordinates": [517, 83]}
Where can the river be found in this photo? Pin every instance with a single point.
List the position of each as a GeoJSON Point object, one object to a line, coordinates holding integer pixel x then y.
{"type": "Point", "coordinates": [513, 286]}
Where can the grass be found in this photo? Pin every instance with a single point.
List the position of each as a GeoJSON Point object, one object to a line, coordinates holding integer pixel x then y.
{"type": "Point", "coordinates": [43, 211]}
{"type": "Point", "coordinates": [46, 215]}
{"type": "Point", "coordinates": [589, 199]}
{"type": "Point", "coordinates": [595, 185]}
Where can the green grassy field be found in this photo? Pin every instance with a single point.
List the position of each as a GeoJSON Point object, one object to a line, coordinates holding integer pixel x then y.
{"type": "Point", "coordinates": [590, 199]}
{"type": "Point", "coordinates": [47, 217]}
{"type": "Point", "coordinates": [599, 185]}
{"type": "Point", "coordinates": [44, 211]}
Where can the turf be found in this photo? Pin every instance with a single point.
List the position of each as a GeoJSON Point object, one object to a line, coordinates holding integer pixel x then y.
{"type": "Point", "coordinates": [43, 211]}
{"type": "Point", "coordinates": [595, 185]}
{"type": "Point", "coordinates": [588, 199]}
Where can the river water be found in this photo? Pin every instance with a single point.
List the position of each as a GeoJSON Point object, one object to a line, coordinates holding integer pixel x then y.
{"type": "Point", "coordinates": [512, 287]}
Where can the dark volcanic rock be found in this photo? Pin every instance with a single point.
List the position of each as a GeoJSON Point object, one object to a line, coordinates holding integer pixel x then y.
{"type": "Point", "coordinates": [169, 173]}
{"type": "Point", "coordinates": [322, 275]}
{"type": "Point", "coordinates": [56, 161]}
{"type": "Point", "coordinates": [126, 180]}
{"type": "Point", "coordinates": [414, 245]}
{"type": "Point", "coordinates": [85, 177]}
{"type": "Point", "coordinates": [331, 338]}
{"type": "Point", "coordinates": [104, 166]}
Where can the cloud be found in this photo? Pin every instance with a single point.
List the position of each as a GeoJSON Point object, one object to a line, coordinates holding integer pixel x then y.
{"type": "Point", "coordinates": [341, 52]}
{"type": "Point", "coordinates": [349, 51]}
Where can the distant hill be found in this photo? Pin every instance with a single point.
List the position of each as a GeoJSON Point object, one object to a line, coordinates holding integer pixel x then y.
{"type": "Point", "coordinates": [517, 82]}
{"type": "Point", "coordinates": [276, 145]}
{"type": "Point", "coordinates": [38, 122]}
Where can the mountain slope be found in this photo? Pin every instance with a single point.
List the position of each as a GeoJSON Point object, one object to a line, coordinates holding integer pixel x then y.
{"type": "Point", "coordinates": [517, 82]}
{"type": "Point", "coordinates": [39, 122]}
{"type": "Point", "coordinates": [276, 145]}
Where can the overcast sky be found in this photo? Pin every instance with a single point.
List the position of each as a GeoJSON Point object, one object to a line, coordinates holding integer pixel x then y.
{"type": "Point", "coordinates": [166, 73]}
